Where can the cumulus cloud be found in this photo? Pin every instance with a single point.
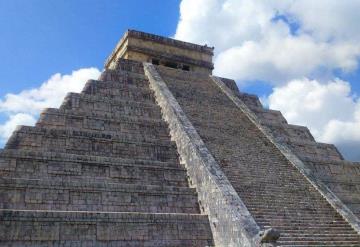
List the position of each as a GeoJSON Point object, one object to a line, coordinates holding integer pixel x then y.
{"type": "Point", "coordinates": [278, 42]}
{"type": "Point", "coordinates": [280, 59]}
{"type": "Point", "coordinates": [14, 120]}
{"type": "Point", "coordinates": [327, 20]}
{"type": "Point", "coordinates": [328, 109]}
{"type": "Point", "coordinates": [274, 41]}
{"type": "Point", "coordinates": [23, 108]}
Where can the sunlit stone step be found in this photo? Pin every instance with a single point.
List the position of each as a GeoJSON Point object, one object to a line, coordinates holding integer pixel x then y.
{"type": "Point", "coordinates": [55, 228]}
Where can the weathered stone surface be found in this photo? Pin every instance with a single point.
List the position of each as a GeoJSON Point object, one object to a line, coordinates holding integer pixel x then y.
{"type": "Point", "coordinates": [274, 190]}
{"type": "Point", "coordinates": [106, 154]}
{"type": "Point", "coordinates": [270, 235]}
{"type": "Point", "coordinates": [41, 228]}
{"type": "Point", "coordinates": [95, 196]}
{"type": "Point", "coordinates": [232, 224]}
{"type": "Point", "coordinates": [324, 161]}
{"type": "Point", "coordinates": [140, 46]}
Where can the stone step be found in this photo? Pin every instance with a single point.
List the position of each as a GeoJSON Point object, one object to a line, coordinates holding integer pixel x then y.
{"type": "Point", "coordinates": [119, 90]}
{"type": "Point", "coordinates": [267, 198]}
{"type": "Point", "coordinates": [52, 117]}
{"type": "Point", "coordinates": [294, 221]}
{"type": "Point", "coordinates": [313, 231]}
{"type": "Point", "coordinates": [125, 77]}
{"type": "Point", "coordinates": [268, 208]}
{"type": "Point", "coordinates": [74, 99]}
{"type": "Point", "coordinates": [99, 229]}
{"type": "Point", "coordinates": [305, 225]}
{"type": "Point", "coordinates": [85, 195]}
{"type": "Point", "coordinates": [260, 188]}
{"type": "Point", "coordinates": [129, 65]}
{"type": "Point", "coordinates": [88, 103]}
{"type": "Point", "coordinates": [44, 156]}
{"type": "Point", "coordinates": [268, 116]}
{"type": "Point", "coordinates": [319, 243]}
{"type": "Point", "coordinates": [134, 83]}
{"type": "Point", "coordinates": [272, 193]}
{"type": "Point", "coordinates": [304, 217]}
{"type": "Point", "coordinates": [182, 76]}
{"type": "Point", "coordinates": [129, 94]}
{"type": "Point", "coordinates": [90, 143]}
{"type": "Point", "coordinates": [346, 180]}
{"type": "Point", "coordinates": [267, 205]}
{"type": "Point", "coordinates": [330, 245]}
{"type": "Point", "coordinates": [303, 233]}
{"type": "Point", "coordinates": [256, 173]}
{"type": "Point", "coordinates": [251, 100]}
{"type": "Point", "coordinates": [322, 161]}
{"type": "Point", "coordinates": [316, 150]}
{"type": "Point", "coordinates": [290, 131]}
{"type": "Point", "coordinates": [286, 194]}
{"type": "Point", "coordinates": [65, 167]}
{"type": "Point", "coordinates": [273, 189]}
{"type": "Point", "coordinates": [73, 132]}
{"type": "Point", "coordinates": [145, 128]}
{"type": "Point", "coordinates": [290, 215]}
{"type": "Point", "coordinates": [296, 217]}
{"type": "Point", "coordinates": [318, 236]}
{"type": "Point", "coordinates": [257, 176]}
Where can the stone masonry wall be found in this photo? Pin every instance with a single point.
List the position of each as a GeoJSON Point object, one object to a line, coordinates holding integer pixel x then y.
{"type": "Point", "coordinates": [324, 160]}
{"type": "Point", "coordinates": [277, 192]}
{"type": "Point", "coordinates": [99, 171]}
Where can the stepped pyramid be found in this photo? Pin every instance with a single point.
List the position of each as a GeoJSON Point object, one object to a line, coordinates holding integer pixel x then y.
{"type": "Point", "coordinates": [159, 152]}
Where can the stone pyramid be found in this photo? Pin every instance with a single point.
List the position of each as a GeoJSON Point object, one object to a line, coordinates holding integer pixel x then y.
{"type": "Point", "coordinates": [158, 152]}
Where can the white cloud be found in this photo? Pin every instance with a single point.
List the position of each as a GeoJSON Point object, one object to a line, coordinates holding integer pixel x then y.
{"type": "Point", "coordinates": [253, 43]}
{"type": "Point", "coordinates": [327, 19]}
{"type": "Point", "coordinates": [14, 120]}
{"type": "Point", "coordinates": [23, 108]}
{"type": "Point", "coordinates": [328, 109]}
{"type": "Point", "coordinates": [278, 60]}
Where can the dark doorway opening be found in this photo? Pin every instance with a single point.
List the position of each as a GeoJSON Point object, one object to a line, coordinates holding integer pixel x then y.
{"type": "Point", "coordinates": [186, 67]}
{"type": "Point", "coordinates": [155, 61]}
{"type": "Point", "coordinates": [171, 65]}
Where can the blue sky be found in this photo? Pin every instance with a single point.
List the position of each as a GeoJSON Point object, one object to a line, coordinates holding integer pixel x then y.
{"type": "Point", "coordinates": [43, 37]}
{"type": "Point", "coordinates": [301, 57]}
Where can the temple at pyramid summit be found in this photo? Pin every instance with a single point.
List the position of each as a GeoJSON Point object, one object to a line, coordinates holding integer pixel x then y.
{"type": "Point", "coordinates": [159, 152]}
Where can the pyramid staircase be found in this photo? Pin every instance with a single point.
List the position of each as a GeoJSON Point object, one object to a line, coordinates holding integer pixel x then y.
{"type": "Point", "coordinates": [274, 191]}
{"type": "Point", "coordinates": [324, 160]}
{"type": "Point", "coordinates": [99, 171]}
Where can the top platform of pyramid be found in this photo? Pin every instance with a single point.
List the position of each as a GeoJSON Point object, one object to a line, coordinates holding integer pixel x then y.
{"type": "Point", "coordinates": [146, 47]}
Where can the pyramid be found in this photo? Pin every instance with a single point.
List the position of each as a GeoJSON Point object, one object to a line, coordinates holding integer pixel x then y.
{"type": "Point", "coordinates": [159, 152]}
